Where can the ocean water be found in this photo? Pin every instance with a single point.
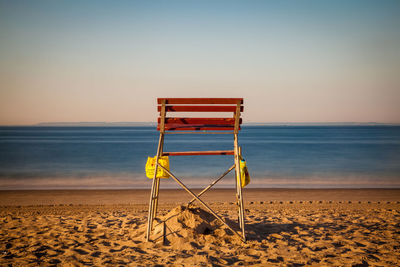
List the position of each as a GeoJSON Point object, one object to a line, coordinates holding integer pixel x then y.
{"type": "Point", "coordinates": [277, 156]}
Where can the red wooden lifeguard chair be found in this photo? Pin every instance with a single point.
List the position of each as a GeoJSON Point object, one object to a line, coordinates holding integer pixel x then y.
{"type": "Point", "coordinates": [204, 125]}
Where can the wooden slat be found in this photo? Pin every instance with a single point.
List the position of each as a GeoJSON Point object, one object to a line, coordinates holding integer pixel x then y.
{"type": "Point", "coordinates": [162, 117]}
{"type": "Point", "coordinates": [200, 108]}
{"type": "Point", "coordinates": [198, 128]}
{"type": "Point", "coordinates": [237, 117]}
{"type": "Point", "coordinates": [175, 125]}
{"type": "Point", "coordinates": [200, 100]}
{"type": "Point", "coordinates": [199, 132]}
{"type": "Point", "coordinates": [199, 153]}
{"type": "Point", "coordinates": [213, 121]}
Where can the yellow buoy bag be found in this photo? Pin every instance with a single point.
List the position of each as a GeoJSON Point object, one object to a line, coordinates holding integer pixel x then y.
{"type": "Point", "coordinates": [244, 173]}
{"type": "Point", "coordinates": [151, 165]}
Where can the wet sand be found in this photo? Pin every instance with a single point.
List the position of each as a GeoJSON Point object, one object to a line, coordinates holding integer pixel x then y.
{"type": "Point", "coordinates": [141, 196]}
{"type": "Point", "coordinates": [284, 227]}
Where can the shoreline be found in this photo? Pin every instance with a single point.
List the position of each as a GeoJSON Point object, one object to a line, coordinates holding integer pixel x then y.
{"type": "Point", "coordinates": [141, 196]}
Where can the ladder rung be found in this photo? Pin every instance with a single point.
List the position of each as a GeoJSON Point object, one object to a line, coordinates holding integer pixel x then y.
{"type": "Point", "coordinates": [198, 153]}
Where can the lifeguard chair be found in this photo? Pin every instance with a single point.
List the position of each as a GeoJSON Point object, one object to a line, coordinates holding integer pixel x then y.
{"type": "Point", "coordinates": [195, 125]}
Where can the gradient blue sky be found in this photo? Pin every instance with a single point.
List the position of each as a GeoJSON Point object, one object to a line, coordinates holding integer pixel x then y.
{"type": "Point", "coordinates": [292, 61]}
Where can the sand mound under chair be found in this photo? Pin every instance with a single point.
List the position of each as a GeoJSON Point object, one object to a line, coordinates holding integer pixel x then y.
{"type": "Point", "coordinates": [188, 227]}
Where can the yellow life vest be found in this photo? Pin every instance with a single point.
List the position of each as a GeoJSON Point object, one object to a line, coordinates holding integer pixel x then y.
{"type": "Point", "coordinates": [151, 164]}
{"type": "Point", "coordinates": [244, 173]}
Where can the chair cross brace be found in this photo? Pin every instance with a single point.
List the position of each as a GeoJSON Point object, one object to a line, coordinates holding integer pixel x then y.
{"type": "Point", "coordinates": [196, 197]}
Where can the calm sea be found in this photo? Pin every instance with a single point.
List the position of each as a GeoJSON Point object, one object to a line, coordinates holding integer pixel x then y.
{"type": "Point", "coordinates": [277, 156]}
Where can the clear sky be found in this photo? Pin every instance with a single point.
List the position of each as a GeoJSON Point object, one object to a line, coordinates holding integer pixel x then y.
{"type": "Point", "coordinates": [292, 61]}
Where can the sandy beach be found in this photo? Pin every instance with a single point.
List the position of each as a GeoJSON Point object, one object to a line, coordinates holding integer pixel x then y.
{"type": "Point", "coordinates": [284, 227]}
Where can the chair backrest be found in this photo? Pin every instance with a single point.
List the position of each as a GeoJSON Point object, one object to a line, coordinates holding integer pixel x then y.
{"type": "Point", "coordinates": [232, 105]}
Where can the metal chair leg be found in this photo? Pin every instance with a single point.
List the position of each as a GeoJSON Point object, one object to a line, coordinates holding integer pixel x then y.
{"type": "Point", "coordinates": [157, 190]}
{"type": "Point", "coordinates": [151, 211]}
{"type": "Point", "coordinates": [239, 186]}
{"type": "Point", "coordinates": [154, 191]}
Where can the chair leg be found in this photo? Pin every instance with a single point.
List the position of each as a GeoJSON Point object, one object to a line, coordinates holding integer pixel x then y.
{"type": "Point", "coordinates": [239, 186]}
{"type": "Point", "coordinates": [157, 189]}
{"type": "Point", "coordinates": [237, 199]}
{"type": "Point", "coordinates": [151, 211]}
{"type": "Point", "coordinates": [242, 213]}
{"type": "Point", "coordinates": [154, 191]}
